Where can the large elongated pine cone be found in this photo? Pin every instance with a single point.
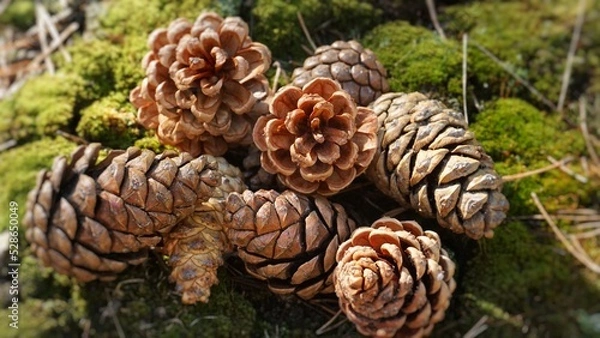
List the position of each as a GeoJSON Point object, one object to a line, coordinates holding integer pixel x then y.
{"type": "Point", "coordinates": [196, 245]}
{"type": "Point", "coordinates": [91, 220]}
{"type": "Point", "coordinates": [204, 84]}
{"type": "Point", "coordinates": [316, 139]}
{"type": "Point", "coordinates": [428, 160]}
{"type": "Point", "coordinates": [394, 279]}
{"type": "Point", "coordinates": [288, 240]}
{"type": "Point", "coordinates": [356, 68]}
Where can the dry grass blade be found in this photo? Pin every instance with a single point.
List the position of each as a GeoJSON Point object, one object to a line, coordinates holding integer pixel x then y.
{"type": "Point", "coordinates": [519, 176]}
{"type": "Point", "coordinates": [64, 35]}
{"type": "Point", "coordinates": [306, 33]}
{"type": "Point", "coordinates": [434, 18]}
{"type": "Point", "coordinates": [42, 37]}
{"type": "Point", "coordinates": [465, 40]}
{"type": "Point", "coordinates": [478, 328]}
{"type": "Point", "coordinates": [571, 55]}
{"type": "Point", "coordinates": [51, 26]}
{"type": "Point", "coordinates": [331, 324]}
{"type": "Point", "coordinates": [508, 69]}
{"type": "Point", "coordinates": [586, 134]}
{"type": "Point", "coordinates": [568, 171]}
{"type": "Point", "coordinates": [572, 245]}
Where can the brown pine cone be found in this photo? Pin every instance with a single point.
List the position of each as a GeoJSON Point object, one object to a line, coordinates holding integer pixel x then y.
{"type": "Point", "coordinates": [428, 160]}
{"type": "Point", "coordinates": [204, 84]}
{"type": "Point", "coordinates": [288, 240]}
{"type": "Point", "coordinates": [394, 279]}
{"type": "Point", "coordinates": [354, 67]}
{"type": "Point", "coordinates": [196, 245]}
{"type": "Point", "coordinates": [90, 220]}
{"type": "Point", "coordinates": [316, 139]}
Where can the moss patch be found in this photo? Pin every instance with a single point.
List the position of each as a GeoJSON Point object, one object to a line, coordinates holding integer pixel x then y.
{"type": "Point", "coordinates": [417, 59]}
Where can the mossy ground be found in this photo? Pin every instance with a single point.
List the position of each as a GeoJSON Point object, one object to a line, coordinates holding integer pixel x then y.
{"type": "Point", "coordinates": [522, 279]}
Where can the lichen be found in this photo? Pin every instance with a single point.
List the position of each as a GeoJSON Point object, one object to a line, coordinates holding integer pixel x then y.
{"type": "Point", "coordinates": [417, 59]}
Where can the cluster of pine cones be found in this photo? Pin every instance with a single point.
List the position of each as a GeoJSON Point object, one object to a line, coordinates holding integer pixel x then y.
{"type": "Point", "coordinates": [205, 93]}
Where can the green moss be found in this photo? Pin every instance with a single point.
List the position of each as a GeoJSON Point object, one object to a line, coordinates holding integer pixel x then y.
{"type": "Point", "coordinates": [276, 23]}
{"type": "Point", "coordinates": [532, 37]}
{"type": "Point", "coordinates": [417, 59]}
{"type": "Point", "coordinates": [19, 167]}
{"type": "Point", "coordinates": [20, 14]}
{"type": "Point", "coordinates": [521, 280]}
{"type": "Point", "coordinates": [151, 142]}
{"type": "Point", "coordinates": [42, 106]}
{"type": "Point", "coordinates": [110, 121]}
{"type": "Point", "coordinates": [519, 138]}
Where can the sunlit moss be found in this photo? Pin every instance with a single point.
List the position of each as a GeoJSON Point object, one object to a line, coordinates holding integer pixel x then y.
{"type": "Point", "coordinates": [417, 59]}
{"type": "Point", "coordinates": [110, 121]}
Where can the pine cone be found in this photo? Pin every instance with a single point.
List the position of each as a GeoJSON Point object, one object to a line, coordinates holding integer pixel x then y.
{"type": "Point", "coordinates": [428, 159]}
{"type": "Point", "coordinates": [196, 245]}
{"type": "Point", "coordinates": [316, 139]}
{"type": "Point", "coordinates": [394, 279]}
{"type": "Point", "coordinates": [204, 84]}
{"type": "Point", "coordinates": [91, 220]}
{"type": "Point", "coordinates": [289, 240]}
{"type": "Point", "coordinates": [356, 68]}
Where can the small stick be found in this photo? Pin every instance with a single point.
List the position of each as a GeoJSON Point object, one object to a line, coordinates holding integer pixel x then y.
{"type": "Point", "coordinates": [306, 33]}
{"type": "Point", "coordinates": [519, 176]}
{"type": "Point", "coordinates": [587, 225]}
{"type": "Point", "coordinates": [568, 171]}
{"type": "Point", "coordinates": [52, 29]}
{"type": "Point", "coordinates": [64, 35]}
{"type": "Point", "coordinates": [587, 234]}
{"type": "Point", "coordinates": [276, 77]}
{"type": "Point", "coordinates": [572, 246]}
{"type": "Point", "coordinates": [328, 326]}
{"type": "Point", "coordinates": [71, 137]}
{"type": "Point", "coordinates": [586, 133]}
{"type": "Point", "coordinates": [508, 69]}
{"type": "Point", "coordinates": [571, 55]}
{"type": "Point", "coordinates": [43, 41]}
{"type": "Point", "coordinates": [585, 166]}
{"type": "Point", "coordinates": [478, 328]}
{"type": "Point", "coordinates": [434, 19]}
{"type": "Point", "coordinates": [465, 40]}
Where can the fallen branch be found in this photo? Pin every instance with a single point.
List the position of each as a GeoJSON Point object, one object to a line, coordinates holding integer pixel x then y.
{"type": "Point", "coordinates": [572, 245]}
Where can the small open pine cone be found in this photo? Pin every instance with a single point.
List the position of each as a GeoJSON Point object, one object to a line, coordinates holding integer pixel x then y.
{"type": "Point", "coordinates": [91, 220]}
{"type": "Point", "coordinates": [428, 160]}
{"type": "Point", "coordinates": [347, 62]}
{"type": "Point", "coordinates": [288, 239]}
{"type": "Point", "coordinates": [196, 245]}
{"type": "Point", "coordinates": [316, 139]}
{"type": "Point", "coordinates": [204, 84]}
{"type": "Point", "coordinates": [394, 279]}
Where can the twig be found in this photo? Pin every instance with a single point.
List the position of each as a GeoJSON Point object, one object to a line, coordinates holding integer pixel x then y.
{"type": "Point", "coordinates": [518, 176]}
{"type": "Point", "coordinates": [478, 328]}
{"type": "Point", "coordinates": [64, 35]}
{"type": "Point", "coordinates": [306, 33]}
{"type": "Point", "coordinates": [43, 41]}
{"type": "Point", "coordinates": [434, 19]}
{"type": "Point", "coordinates": [465, 40]}
{"type": "Point", "coordinates": [587, 225]}
{"type": "Point", "coordinates": [571, 55]}
{"type": "Point", "coordinates": [568, 171]}
{"type": "Point", "coordinates": [277, 66]}
{"type": "Point", "coordinates": [585, 166]}
{"type": "Point", "coordinates": [586, 133]}
{"type": "Point", "coordinates": [7, 145]}
{"type": "Point", "coordinates": [328, 326]}
{"type": "Point", "coordinates": [586, 234]}
{"type": "Point", "coordinates": [47, 20]}
{"type": "Point", "coordinates": [572, 246]}
{"type": "Point", "coordinates": [4, 4]}
{"type": "Point", "coordinates": [508, 69]}
{"type": "Point", "coordinates": [71, 137]}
